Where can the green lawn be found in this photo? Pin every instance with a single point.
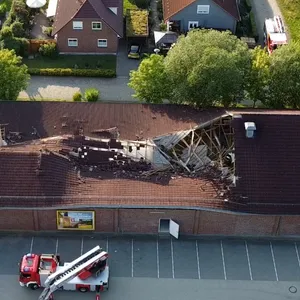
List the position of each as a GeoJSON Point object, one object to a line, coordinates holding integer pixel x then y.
{"type": "Point", "coordinates": [70, 61]}
{"type": "Point", "coordinates": [291, 12]}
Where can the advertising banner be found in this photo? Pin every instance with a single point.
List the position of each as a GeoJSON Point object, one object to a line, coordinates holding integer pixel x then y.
{"type": "Point", "coordinates": [75, 220]}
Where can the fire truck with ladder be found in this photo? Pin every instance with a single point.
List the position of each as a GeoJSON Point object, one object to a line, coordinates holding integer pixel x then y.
{"type": "Point", "coordinates": [274, 33]}
{"type": "Point", "coordinates": [89, 272]}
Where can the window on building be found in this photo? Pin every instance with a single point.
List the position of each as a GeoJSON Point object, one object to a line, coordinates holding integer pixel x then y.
{"type": "Point", "coordinates": [203, 9]}
{"type": "Point", "coordinates": [193, 24]}
{"type": "Point", "coordinates": [77, 25]}
{"type": "Point", "coordinates": [102, 43]}
{"type": "Point", "coordinates": [72, 42]}
{"type": "Point", "coordinates": [96, 25]}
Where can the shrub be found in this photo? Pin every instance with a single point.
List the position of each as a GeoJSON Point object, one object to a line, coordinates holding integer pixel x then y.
{"type": "Point", "coordinates": [163, 26]}
{"type": "Point", "coordinates": [47, 30]}
{"type": "Point", "coordinates": [143, 4]}
{"type": "Point", "coordinates": [77, 97]}
{"type": "Point", "coordinates": [6, 33]}
{"type": "Point", "coordinates": [19, 45]}
{"type": "Point", "coordinates": [253, 26]}
{"type": "Point", "coordinates": [17, 29]}
{"type": "Point", "coordinates": [73, 72]}
{"type": "Point", "coordinates": [48, 50]}
{"type": "Point", "coordinates": [3, 9]}
{"type": "Point", "coordinates": [91, 95]}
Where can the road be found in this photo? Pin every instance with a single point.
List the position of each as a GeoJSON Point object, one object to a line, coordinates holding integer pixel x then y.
{"type": "Point", "coordinates": [264, 9]}
{"type": "Point", "coordinates": [167, 289]}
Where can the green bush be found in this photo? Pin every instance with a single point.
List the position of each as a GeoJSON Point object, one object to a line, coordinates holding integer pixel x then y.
{"type": "Point", "coordinates": [6, 33]}
{"type": "Point", "coordinates": [73, 72]}
{"type": "Point", "coordinates": [253, 26]}
{"type": "Point", "coordinates": [91, 95]}
{"type": "Point", "coordinates": [3, 9]}
{"type": "Point", "coordinates": [77, 97]}
{"type": "Point", "coordinates": [143, 4]}
{"type": "Point", "coordinates": [248, 5]}
{"type": "Point", "coordinates": [47, 30]}
{"type": "Point", "coordinates": [19, 45]}
{"type": "Point", "coordinates": [17, 29]}
{"type": "Point", "coordinates": [48, 50]}
{"type": "Point", "coordinates": [163, 26]}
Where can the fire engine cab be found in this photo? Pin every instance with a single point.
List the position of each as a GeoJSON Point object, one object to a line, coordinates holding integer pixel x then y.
{"type": "Point", "coordinates": [89, 272]}
{"type": "Point", "coordinates": [274, 33]}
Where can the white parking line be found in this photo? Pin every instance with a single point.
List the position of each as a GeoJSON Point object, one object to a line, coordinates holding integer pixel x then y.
{"type": "Point", "coordinates": [56, 246]}
{"type": "Point", "coordinates": [223, 260]}
{"type": "Point", "coordinates": [297, 253]}
{"type": "Point", "coordinates": [198, 263]}
{"type": "Point", "coordinates": [172, 257]}
{"type": "Point", "coordinates": [274, 263]}
{"type": "Point", "coordinates": [81, 250]}
{"type": "Point", "coordinates": [248, 258]}
{"type": "Point", "coordinates": [31, 245]}
{"type": "Point", "coordinates": [157, 258]}
{"type": "Point", "coordinates": [132, 258]}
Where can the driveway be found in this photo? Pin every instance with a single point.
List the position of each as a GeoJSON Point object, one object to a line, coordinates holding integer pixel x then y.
{"type": "Point", "coordinates": [63, 88]}
{"type": "Point", "coordinates": [125, 65]}
{"type": "Point", "coordinates": [264, 9]}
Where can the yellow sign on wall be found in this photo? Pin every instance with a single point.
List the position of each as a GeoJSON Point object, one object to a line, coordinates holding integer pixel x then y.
{"type": "Point", "coordinates": [75, 220]}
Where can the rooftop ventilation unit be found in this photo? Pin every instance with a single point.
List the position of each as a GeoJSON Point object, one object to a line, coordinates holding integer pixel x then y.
{"type": "Point", "coordinates": [250, 129]}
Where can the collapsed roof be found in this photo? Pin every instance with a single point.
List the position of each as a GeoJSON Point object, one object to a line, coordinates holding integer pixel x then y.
{"type": "Point", "coordinates": [154, 156]}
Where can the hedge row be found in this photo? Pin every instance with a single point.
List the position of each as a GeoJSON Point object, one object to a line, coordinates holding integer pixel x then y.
{"type": "Point", "coordinates": [73, 72]}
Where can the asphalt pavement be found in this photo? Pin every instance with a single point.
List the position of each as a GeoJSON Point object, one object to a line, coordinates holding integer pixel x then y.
{"type": "Point", "coordinates": [150, 268]}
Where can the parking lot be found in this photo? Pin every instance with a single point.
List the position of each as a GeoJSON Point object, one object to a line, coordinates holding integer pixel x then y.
{"type": "Point", "coordinates": [227, 259]}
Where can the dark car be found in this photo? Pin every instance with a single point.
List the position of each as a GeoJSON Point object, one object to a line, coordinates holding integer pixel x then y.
{"type": "Point", "coordinates": [134, 51]}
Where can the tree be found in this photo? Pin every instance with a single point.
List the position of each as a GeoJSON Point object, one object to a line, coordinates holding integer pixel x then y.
{"type": "Point", "coordinates": [14, 76]}
{"type": "Point", "coordinates": [257, 82]}
{"type": "Point", "coordinates": [284, 77]}
{"type": "Point", "coordinates": [207, 67]}
{"type": "Point", "coordinates": [150, 81]}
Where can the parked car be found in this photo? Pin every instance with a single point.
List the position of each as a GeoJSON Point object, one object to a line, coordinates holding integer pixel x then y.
{"type": "Point", "coordinates": [134, 51]}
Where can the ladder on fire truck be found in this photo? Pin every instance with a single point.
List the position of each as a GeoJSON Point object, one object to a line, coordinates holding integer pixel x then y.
{"type": "Point", "coordinates": [67, 273]}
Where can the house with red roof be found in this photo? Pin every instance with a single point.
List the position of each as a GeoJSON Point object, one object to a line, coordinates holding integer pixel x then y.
{"type": "Point", "coordinates": [184, 15]}
{"type": "Point", "coordinates": [88, 26]}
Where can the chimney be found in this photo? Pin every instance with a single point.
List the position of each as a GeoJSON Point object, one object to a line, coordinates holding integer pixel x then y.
{"type": "Point", "coordinates": [250, 128]}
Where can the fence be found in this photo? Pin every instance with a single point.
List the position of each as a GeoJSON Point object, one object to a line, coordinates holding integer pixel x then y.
{"type": "Point", "coordinates": [34, 45]}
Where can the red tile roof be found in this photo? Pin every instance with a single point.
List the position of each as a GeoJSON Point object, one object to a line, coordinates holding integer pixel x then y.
{"type": "Point", "coordinates": [68, 10]}
{"type": "Point", "coordinates": [172, 7]}
{"type": "Point", "coordinates": [266, 166]}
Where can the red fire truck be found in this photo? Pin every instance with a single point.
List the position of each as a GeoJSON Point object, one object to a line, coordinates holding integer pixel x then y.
{"type": "Point", "coordinates": [89, 272]}
{"type": "Point", "coordinates": [274, 33]}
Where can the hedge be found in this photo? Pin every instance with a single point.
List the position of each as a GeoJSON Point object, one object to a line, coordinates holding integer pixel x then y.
{"type": "Point", "coordinates": [253, 26]}
{"type": "Point", "coordinates": [73, 72]}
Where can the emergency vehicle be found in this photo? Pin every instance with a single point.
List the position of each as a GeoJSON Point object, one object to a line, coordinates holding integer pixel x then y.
{"type": "Point", "coordinates": [274, 33]}
{"type": "Point", "coordinates": [89, 272]}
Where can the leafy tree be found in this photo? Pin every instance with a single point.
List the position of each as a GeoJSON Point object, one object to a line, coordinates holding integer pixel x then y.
{"type": "Point", "coordinates": [14, 76]}
{"type": "Point", "coordinates": [285, 77]}
{"type": "Point", "coordinates": [258, 77]}
{"type": "Point", "coordinates": [207, 67]}
{"type": "Point", "coordinates": [150, 81]}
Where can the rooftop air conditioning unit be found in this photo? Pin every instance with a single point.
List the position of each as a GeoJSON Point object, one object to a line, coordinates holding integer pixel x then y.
{"type": "Point", "coordinates": [250, 129]}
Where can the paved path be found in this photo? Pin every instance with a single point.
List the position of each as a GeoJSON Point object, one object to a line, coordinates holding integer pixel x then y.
{"type": "Point", "coordinates": [264, 9]}
{"type": "Point", "coordinates": [63, 88]}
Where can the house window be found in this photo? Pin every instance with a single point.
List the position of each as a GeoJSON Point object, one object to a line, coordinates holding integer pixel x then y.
{"type": "Point", "coordinates": [193, 24]}
{"type": "Point", "coordinates": [102, 43]}
{"type": "Point", "coordinates": [72, 42]}
{"type": "Point", "coordinates": [203, 9]}
{"type": "Point", "coordinates": [96, 25]}
{"type": "Point", "coordinates": [77, 25]}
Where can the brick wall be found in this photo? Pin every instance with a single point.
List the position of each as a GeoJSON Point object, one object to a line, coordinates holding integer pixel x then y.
{"type": "Point", "coordinates": [16, 220]}
{"type": "Point", "coordinates": [147, 221]}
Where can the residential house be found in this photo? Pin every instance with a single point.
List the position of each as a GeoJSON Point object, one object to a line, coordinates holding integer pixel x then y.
{"type": "Point", "coordinates": [88, 26]}
{"type": "Point", "coordinates": [184, 15]}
